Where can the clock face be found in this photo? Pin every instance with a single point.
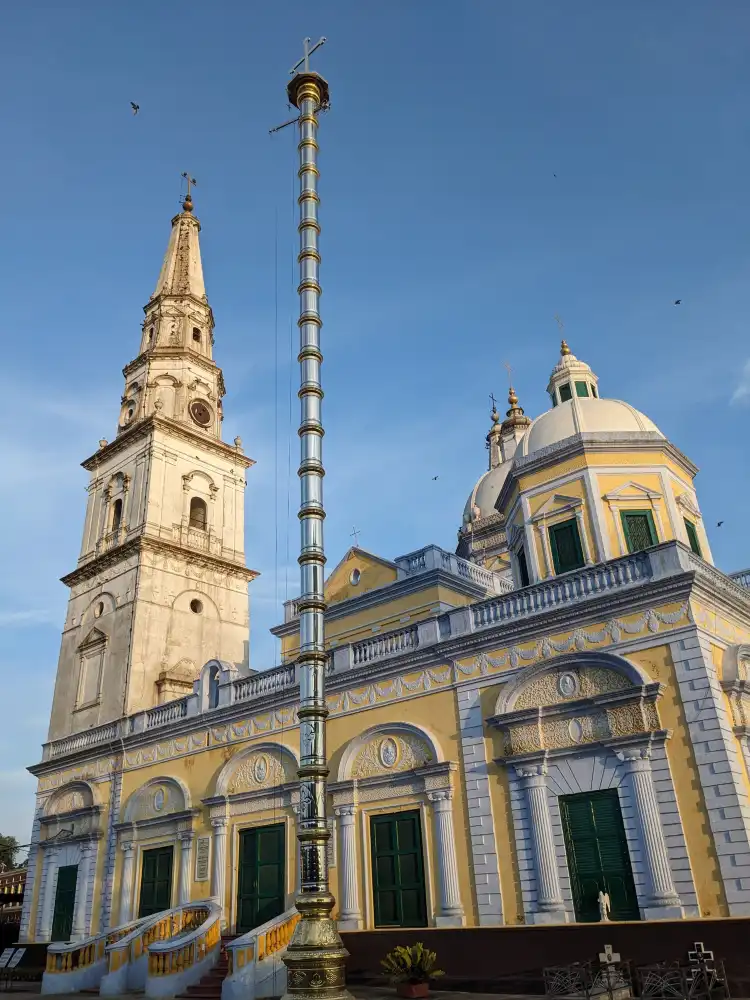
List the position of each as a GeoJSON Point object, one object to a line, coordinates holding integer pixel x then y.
{"type": "Point", "coordinates": [200, 413]}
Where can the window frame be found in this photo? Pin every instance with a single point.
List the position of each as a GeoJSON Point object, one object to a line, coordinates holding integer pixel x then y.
{"type": "Point", "coordinates": [523, 566]}
{"type": "Point", "coordinates": [196, 500]}
{"type": "Point", "coordinates": [565, 385]}
{"type": "Point", "coordinates": [649, 515]}
{"type": "Point", "coordinates": [691, 529]}
{"type": "Point", "coordinates": [582, 389]}
{"type": "Point", "coordinates": [552, 530]}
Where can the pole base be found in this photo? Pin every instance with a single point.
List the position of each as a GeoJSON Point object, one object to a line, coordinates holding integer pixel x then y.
{"type": "Point", "coordinates": [315, 962]}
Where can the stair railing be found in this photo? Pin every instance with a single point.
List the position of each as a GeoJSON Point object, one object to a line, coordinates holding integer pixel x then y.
{"type": "Point", "coordinates": [128, 957]}
{"type": "Point", "coordinates": [255, 961]}
{"type": "Point", "coordinates": [80, 965]}
{"type": "Point", "coordinates": [181, 961]}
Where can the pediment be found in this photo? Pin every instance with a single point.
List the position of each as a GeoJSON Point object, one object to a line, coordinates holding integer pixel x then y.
{"type": "Point", "coordinates": [95, 637]}
{"type": "Point", "coordinates": [686, 502]}
{"type": "Point", "coordinates": [556, 503]}
{"type": "Point", "coordinates": [368, 570]}
{"type": "Point", "coordinates": [632, 491]}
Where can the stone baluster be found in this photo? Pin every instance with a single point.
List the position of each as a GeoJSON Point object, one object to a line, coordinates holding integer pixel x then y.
{"type": "Point", "coordinates": [186, 868]}
{"type": "Point", "coordinates": [550, 907]}
{"type": "Point", "coordinates": [451, 912]}
{"type": "Point", "coordinates": [48, 898]}
{"type": "Point", "coordinates": [663, 902]}
{"type": "Point", "coordinates": [351, 916]}
{"type": "Point", "coordinates": [218, 887]}
{"type": "Point", "coordinates": [80, 906]}
{"type": "Point", "coordinates": [126, 882]}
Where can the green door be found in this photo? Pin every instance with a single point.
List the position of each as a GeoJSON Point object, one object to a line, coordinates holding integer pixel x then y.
{"type": "Point", "coordinates": [398, 870]}
{"type": "Point", "coordinates": [156, 881]}
{"type": "Point", "coordinates": [260, 885]}
{"type": "Point", "coordinates": [598, 857]}
{"type": "Point", "coordinates": [65, 897]}
{"type": "Point", "coordinates": [565, 543]}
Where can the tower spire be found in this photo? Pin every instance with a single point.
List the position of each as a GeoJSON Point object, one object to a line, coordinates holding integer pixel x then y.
{"type": "Point", "coordinates": [316, 953]}
{"type": "Point", "coordinates": [182, 270]}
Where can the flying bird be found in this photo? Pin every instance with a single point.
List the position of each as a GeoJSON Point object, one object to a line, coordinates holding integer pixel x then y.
{"type": "Point", "coordinates": [434, 478]}
{"type": "Point", "coordinates": [136, 107]}
{"type": "Point", "coordinates": [719, 524]}
{"type": "Point", "coordinates": [678, 302]}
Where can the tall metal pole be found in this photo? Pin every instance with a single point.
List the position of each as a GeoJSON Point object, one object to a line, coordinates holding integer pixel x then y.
{"type": "Point", "coordinates": [315, 957]}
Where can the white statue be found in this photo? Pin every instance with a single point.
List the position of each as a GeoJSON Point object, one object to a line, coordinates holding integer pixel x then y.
{"type": "Point", "coordinates": [604, 907]}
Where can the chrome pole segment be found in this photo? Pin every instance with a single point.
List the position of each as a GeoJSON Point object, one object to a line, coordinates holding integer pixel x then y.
{"type": "Point", "coordinates": [315, 957]}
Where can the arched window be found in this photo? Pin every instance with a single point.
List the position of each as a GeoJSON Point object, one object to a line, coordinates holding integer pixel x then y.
{"type": "Point", "coordinates": [213, 687]}
{"type": "Point", "coordinates": [196, 334]}
{"type": "Point", "coordinates": [116, 514]}
{"type": "Point", "coordinates": [198, 513]}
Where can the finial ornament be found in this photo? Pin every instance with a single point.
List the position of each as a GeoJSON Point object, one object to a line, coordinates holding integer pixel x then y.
{"type": "Point", "coordinates": [187, 204]}
{"type": "Point", "coordinates": [512, 397]}
{"type": "Point", "coordinates": [564, 349]}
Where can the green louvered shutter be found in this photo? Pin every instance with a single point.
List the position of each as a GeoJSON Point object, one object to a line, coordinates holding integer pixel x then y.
{"type": "Point", "coordinates": [598, 857]}
{"type": "Point", "coordinates": [639, 530]}
{"type": "Point", "coordinates": [692, 533]}
{"type": "Point", "coordinates": [565, 543]}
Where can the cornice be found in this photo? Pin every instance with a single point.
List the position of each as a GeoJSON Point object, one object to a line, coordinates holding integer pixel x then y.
{"type": "Point", "coordinates": [566, 618]}
{"type": "Point", "coordinates": [167, 351]}
{"type": "Point", "coordinates": [156, 422]}
{"type": "Point", "coordinates": [145, 542]}
{"type": "Point", "coordinates": [389, 592]}
{"type": "Point", "coordinates": [590, 442]}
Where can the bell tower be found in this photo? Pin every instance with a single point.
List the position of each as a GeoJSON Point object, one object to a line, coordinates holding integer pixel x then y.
{"type": "Point", "coordinates": [161, 581]}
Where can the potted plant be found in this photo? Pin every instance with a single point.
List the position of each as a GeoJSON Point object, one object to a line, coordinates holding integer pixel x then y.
{"type": "Point", "coordinates": [410, 969]}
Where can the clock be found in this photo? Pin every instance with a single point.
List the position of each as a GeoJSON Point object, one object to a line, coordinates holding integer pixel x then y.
{"type": "Point", "coordinates": [200, 413]}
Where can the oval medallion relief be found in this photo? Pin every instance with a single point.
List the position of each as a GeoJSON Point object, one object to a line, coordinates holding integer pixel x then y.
{"type": "Point", "coordinates": [260, 769]}
{"type": "Point", "coordinates": [567, 684]}
{"type": "Point", "coordinates": [388, 752]}
{"type": "Point", "coordinates": [159, 799]}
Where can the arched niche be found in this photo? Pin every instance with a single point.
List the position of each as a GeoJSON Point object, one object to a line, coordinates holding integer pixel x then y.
{"type": "Point", "coordinates": [569, 678]}
{"type": "Point", "coordinates": [73, 797]}
{"type": "Point", "coordinates": [389, 749]}
{"type": "Point", "coordinates": [262, 766]}
{"type": "Point", "coordinates": [736, 663]}
{"type": "Point", "coordinates": [213, 674]}
{"type": "Point", "coordinates": [159, 797]}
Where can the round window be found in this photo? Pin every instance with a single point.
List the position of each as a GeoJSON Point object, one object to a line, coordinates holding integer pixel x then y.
{"type": "Point", "coordinates": [354, 577]}
{"type": "Point", "coordinates": [99, 610]}
{"type": "Point", "coordinates": [196, 606]}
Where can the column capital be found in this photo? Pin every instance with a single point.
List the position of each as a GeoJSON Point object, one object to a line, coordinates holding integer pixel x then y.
{"type": "Point", "coordinates": [532, 774]}
{"type": "Point", "coordinates": [187, 836]}
{"type": "Point", "coordinates": [219, 823]}
{"type": "Point", "coordinates": [635, 758]}
{"type": "Point", "coordinates": [127, 846]}
{"type": "Point", "coordinates": [441, 798]}
{"type": "Point", "coordinates": [345, 811]}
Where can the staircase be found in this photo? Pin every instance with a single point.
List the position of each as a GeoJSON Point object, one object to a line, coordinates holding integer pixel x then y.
{"type": "Point", "coordinates": [209, 987]}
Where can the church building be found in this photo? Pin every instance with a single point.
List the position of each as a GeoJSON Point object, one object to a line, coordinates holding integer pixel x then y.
{"type": "Point", "coordinates": [546, 726]}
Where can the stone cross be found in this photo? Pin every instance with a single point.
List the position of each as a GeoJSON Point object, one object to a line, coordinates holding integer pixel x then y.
{"type": "Point", "coordinates": [305, 60]}
{"type": "Point", "coordinates": [609, 957]}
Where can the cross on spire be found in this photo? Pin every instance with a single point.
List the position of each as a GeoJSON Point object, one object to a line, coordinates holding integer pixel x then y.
{"type": "Point", "coordinates": [493, 401]}
{"type": "Point", "coordinates": [560, 324]}
{"type": "Point", "coordinates": [355, 535]}
{"type": "Point", "coordinates": [509, 370]}
{"type": "Point", "coordinates": [305, 60]}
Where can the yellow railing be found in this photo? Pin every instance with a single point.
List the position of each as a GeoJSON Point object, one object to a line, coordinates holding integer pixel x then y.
{"type": "Point", "coordinates": [167, 926]}
{"type": "Point", "coordinates": [187, 953]}
{"type": "Point", "coordinates": [71, 957]}
{"type": "Point", "coordinates": [277, 937]}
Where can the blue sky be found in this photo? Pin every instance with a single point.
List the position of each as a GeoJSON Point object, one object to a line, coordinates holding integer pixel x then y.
{"type": "Point", "coordinates": [485, 165]}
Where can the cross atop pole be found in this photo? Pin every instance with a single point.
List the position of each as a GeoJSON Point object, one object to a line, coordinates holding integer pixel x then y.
{"type": "Point", "coordinates": [493, 401]}
{"type": "Point", "coordinates": [509, 370]}
{"type": "Point", "coordinates": [560, 324]}
{"type": "Point", "coordinates": [305, 60]}
{"type": "Point", "coordinates": [190, 180]}
{"type": "Point", "coordinates": [355, 535]}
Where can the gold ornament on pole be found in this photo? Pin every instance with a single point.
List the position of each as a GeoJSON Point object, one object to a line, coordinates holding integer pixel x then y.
{"type": "Point", "coordinates": [315, 956]}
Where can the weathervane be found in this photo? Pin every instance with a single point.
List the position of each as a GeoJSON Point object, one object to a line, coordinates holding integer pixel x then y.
{"type": "Point", "coordinates": [315, 956]}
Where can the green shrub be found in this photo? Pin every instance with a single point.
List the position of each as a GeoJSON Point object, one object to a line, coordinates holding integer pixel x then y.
{"type": "Point", "coordinates": [411, 965]}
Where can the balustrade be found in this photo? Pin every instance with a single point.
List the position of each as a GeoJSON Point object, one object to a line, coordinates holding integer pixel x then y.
{"type": "Point", "coordinates": [170, 712]}
{"type": "Point", "coordinates": [388, 644]}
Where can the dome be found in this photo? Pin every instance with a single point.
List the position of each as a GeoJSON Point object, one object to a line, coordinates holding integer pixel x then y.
{"type": "Point", "coordinates": [588, 415]}
{"type": "Point", "coordinates": [486, 492]}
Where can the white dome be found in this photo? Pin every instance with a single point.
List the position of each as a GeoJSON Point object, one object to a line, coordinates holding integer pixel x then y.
{"type": "Point", "coordinates": [583, 416]}
{"type": "Point", "coordinates": [486, 492]}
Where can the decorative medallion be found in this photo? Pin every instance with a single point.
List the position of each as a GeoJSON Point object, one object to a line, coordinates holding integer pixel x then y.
{"type": "Point", "coordinates": [388, 752]}
{"type": "Point", "coordinates": [159, 799]}
{"type": "Point", "coordinates": [575, 729]}
{"type": "Point", "coordinates": [260, 769]}
{"type": "Point", "coordinates": [567, 684]}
